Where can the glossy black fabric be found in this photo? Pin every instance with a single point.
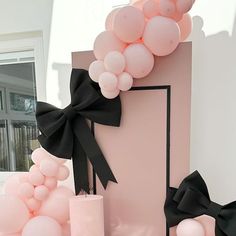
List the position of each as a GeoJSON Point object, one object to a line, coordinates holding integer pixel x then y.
{"type": "Point", "coordinates": [192, 199]}
{"type": "Point", "coordinates": [66, 134]}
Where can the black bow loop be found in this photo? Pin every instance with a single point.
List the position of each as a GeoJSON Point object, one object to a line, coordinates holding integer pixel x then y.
{"type": "Point", "coordinates": [66, 134]}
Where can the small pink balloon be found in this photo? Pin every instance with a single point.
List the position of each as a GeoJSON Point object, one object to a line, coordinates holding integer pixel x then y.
{"type": "Point", "coordinates": [185, 26]}
{"type": "Point", "coordinates": [110, 19]}
{"type": "Point", "coordinates": [58, 160]}
{"type": "Point", "coordinates": [36, 178]}
{"type": "Point", "coordinates": [41, 193]}
{"type": "Point", "coordinates": [190, 227]}
{"type": "Point", "coordinates": [49, 168]}
{"type": "Point", "coordinates": [161, 35]}
{"type": "Point", "coordinates": [26, 190]}
{"type": "Point", "coordinates": [114, 62]}
{"type": "Point", "coordinates": [13, 214]}
{"type": "Point", "coordinates": [63, 173]}
{"type": "Point", "coordinates": [33, 168]}
{"type": "Point", "coordinates": [66, 230]}
{"type": "Point", "coordinates": [110, 94]}
{"type": "Point", "coordinates": [183, 6]}
{"type": "Point", "coordinates": [177, 16]}
{"type": "Point", "coordinates": [139, 60]}
{"type": "Point", "coordinates": [33, 204]}
{"type": "Point", "coordinates": [151, 8]}
{"type": "Point", "coordinates": [166, 8]}
{"type": "Point", "coordinates": [38, 155]}
{"type": "Point", "coordinates": [96, 68]}
{"type": "Point", "coordinates": [125, 81]}
{"type": "Point", "coordinates": [108, 81]}
{"type": "Point", "coordinates": [57, 204]}
{"type": "Point", "coordinates": [42, 226]}
{"type": "Point", "coordinates": [106, 42]}
{"type": "Point", "coordinates": [138, 4]}
{"type": "Point", "coordinates": [50, 183]}
{"type": "Point", "coordinates": [129, 24]}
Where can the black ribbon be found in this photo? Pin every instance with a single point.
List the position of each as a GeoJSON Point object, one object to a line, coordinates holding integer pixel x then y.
{"type": "Point", "coordinates": [66, 134]}
{"type": "Point", "coordinates": [192, 199]}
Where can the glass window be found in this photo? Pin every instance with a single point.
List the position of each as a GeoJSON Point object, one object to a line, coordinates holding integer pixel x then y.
{"type": "Point", "coordinates": [4, 160]}
{"type": "Point", "coordinates": [1, 100]}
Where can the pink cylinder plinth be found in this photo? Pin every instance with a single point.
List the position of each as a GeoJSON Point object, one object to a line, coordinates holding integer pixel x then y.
{"type": "Point", "coordinates": [87, 216]}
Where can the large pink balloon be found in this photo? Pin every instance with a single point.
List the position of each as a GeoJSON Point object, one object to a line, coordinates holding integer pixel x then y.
{"type": "Point", "coordinates": [138, 4]}
{"type": "Point", "coordinates": [161, 35]}
{"type": "Point", "coordinates": [166, 7]}
{"type": "Point", "coordinates": [106, 42]}
{"type": "Point", "coordinates": [129, 24]}
{"type": "Point", "coordinates": [13, 214]}
{"type": "Point", "coordinates": [11, 185]}
{"type": "Point", "coordinates": [190, 227]}
{"type": "Point", "coordinates": [185, 26]}
{"type": "Point", "coordinates": [151, 8]}
{"type": "Point", "coordinates": [56, 205]}
{"type": "Point", "coordinates": [42, 226]}
{"type": "Point", "coordinates": [184, 6]}
{"type": "Point", "coordinates": [139, 60]}
{"type": "Point", "coordinates": [110, 19]}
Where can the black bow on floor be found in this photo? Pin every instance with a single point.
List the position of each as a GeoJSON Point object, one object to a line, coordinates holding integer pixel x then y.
{"type": "Point", "coordinates": [66, 134]}
{"type": "Point", "coordinates": [192, 200]}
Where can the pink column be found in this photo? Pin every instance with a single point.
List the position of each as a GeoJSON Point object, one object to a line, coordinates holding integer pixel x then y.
{"type": "Point", "coordinates": [86, 215]}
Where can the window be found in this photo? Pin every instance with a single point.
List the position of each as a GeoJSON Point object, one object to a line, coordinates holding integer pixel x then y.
{"type": "Point", "coordinates": [18, 129]}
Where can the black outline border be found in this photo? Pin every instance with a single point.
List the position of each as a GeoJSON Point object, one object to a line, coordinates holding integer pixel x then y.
{"type": "Point", "coordinates": [168, 127]}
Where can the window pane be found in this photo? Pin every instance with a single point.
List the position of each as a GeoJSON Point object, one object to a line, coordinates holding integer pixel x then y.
{"type": "Point", "coordinates": [4, 160]}
{"type": "Point", "coordinates": [1, 100]}
{"type": "Point", "coordinates": [25, 135]}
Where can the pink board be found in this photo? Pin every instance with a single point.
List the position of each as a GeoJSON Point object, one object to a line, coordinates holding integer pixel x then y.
{"type": "Point", "coordinates": [150, 150]}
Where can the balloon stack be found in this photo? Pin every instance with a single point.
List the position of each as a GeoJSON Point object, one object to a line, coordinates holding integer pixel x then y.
{"type": "Point", "coordinates": [32, 203]}
{"type": "Point", "coordinates": [134, 35]}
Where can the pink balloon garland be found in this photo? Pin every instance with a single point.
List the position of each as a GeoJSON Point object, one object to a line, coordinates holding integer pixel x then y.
{"type": "Point", "coordinates": [134, 34]}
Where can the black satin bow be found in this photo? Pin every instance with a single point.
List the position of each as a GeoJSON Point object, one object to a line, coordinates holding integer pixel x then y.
{"type": "Point", "coordinates": [66, 134]}
{"type": "Point", "coordinates": [192, 200]}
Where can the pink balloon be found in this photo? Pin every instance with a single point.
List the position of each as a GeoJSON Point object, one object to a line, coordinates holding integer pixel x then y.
{"type": "Point", "coordinates": [107, 42]}
{"type": "Point", "coordinates": [114, 62]}
{"type": "Point", "coordinates": [166, 8]}
{"type": "Point", "coordinates": [63, 173]}
{"type": "Point", "coordinates": [125, 81]}
{"type": "Point", "coordinates": [138, 4]}
{"type": "Point", "coordinates": [26, 190]}
{"type": "Point", "coordinates": [13, 214]}
{"type": "Point", "coordinates": [96, 68]}
{"type": "Point", "coordinates": [42, 226]}
{"type": "Point", "coordinates": [110, 18]}
{"type": "Point", "coordinates": [12, 184]}
{"type": "Point", "coordinates": [49, 168]}
{"type": "Point", "coordinates": [33, 204]}
{"type": "Point", "coordinates": [183, 6]}
{"type": "Point", "coordinates": [151, 8]}
{"type": "Point", "coordinates": [66, 230]}
{"type": "Point", "coordinates": [190, 227]}
{"type": "Point", "coordinates": [161, 35]}
{"type": "Point", "coordinates": [41, 193]}
{"type": "Point", "coordinates": [185, 26]}
{"type": "Point", "coordinates": [33, 168]}
{"type": "Point", "coordinates": [208, 223]}
{"type": "Point", "coordinates": [139, 60]}
{"type": "Point", "coordinates": [14, 234]}
{"type": "Point", "coordinates": [58, 160]}
{"type": "Point", "coordinates": [108, 81]}
{"type": "Point", "coordinates": [57, 204]}
{"type": "Point", "coordinates": [38, 155]}
{"type": "Point", "coordinates": [50, 183]}
{"type": "Point", "coordinates": [110, 94]}
{"type": "Point", "coordinates": [36, 178]}
{"type": "Point", "coordinates": [129, 24]}
{"type": "Point", "coordinates": [177, 16]}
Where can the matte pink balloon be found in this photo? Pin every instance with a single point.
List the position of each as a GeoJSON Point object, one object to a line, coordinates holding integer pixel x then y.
{"type": "Point", "coordinates": [177, 16]}
{"type": "Point", "coordinates": [108, 81]}
{"type": "Point", "coordinates": [185, 26]}
{"type": "Point", "coordinates": [49, 168]}
{"type": "Point", "coordinates": [63, 173]}
{"type": "Point", "coordinates": [57, 204]}
{"type": "Point", "coordinates": [161, 35]}
{"type": "Point", "coordinates": [33, 204]}
{"type": "Point", "coordinates": [166, 7]}
{"type": "Point", "coordinates": [151, 8]}
{"type": "Point", "coordinates": [38, 155]}
{"type": "Point", "coordinates": [139, 60]}
{"type": "Point", "coordinates": [138, 4]}
{"type": "Point", "coordinates": [12, 184]}
{"type": "Point", "coordinates": [129, 24]}
{"type": "Point", "coordinates": [41, 193]}
{"type": "Point", "coordinates": [50, 183]}
{"type": "Point", "coordinates": [96, 68]}
{"type": "Point", "coordinates": [110, 18]}
{"type": "Point", "coordinates": [15, 234]}
{"type": "Point", "coordinates": [184, 6]}
{"type": "Point", "coordinates": [66, 230]}
{"type": "Point", "coordinates": [36, 178]}
{"type": "Point", "coordinates": [26, 190]}
{"type": "Point", "coordinates": [13, 214]}
{"type": "Point", "coordinates": [125, 81]}
{"type": "Point", "coordinates": [190, 227]}
{"type": "Point", "coordinates": [106, 42]}
{"type": "Point", "coordinates": [110, 94]}
{"type": "Point", "coordinates": [114, 62]}
{"type": "Point", "coordinates": [42, 226]}
{"type": "Point", "coordinates": [33, 168]}
{"type": "Point", "coordinates": [58, 160]}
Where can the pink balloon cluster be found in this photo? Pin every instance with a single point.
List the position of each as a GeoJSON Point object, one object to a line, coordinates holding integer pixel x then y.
{"type": "Point", "coordinates": [33, 204]}
{"type": "Point", "coordinates": [134, 35]}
